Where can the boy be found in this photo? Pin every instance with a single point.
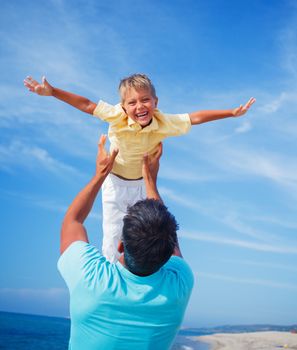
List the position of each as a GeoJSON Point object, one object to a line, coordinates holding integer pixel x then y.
{"type": "Point", "coordinates": [136, 127]}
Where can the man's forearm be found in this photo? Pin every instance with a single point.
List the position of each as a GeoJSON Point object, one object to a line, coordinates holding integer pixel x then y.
{"type": "Point", "coordinates": [83, 202]}
{"type": "Point", "coordinates": [200, 117]}
{"type": "Point", "coordinates": [152, 192]}
{"type": "Point", "coordinates": [74, 100]}
{"type": "Point", "coordinates": [151, 188]}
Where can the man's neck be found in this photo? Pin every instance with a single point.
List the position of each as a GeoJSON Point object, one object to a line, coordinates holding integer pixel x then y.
{"type": "Point", "coordinates": [122, 260]}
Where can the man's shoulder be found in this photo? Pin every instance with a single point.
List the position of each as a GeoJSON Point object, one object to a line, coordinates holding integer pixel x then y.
{"type": "Point", "coordinates": [81, 261]}
{"type": "Point", "coordinates": [177, 262]}
{"type": "Point", "coordinates": [179, 266]}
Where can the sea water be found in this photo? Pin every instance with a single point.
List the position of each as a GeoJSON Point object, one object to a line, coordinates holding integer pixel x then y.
{"type": "Point", "coordinates": [31, 332]}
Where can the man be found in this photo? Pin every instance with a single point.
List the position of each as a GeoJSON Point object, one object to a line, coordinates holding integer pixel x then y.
{"type": "Point", "coordinates": [138, 302]}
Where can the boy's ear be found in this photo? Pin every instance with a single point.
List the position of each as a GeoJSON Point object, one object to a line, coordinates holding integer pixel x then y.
{"type": "Point", "coordinates": [123, 108]}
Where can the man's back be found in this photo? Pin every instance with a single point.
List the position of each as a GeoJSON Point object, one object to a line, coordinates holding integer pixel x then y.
{"type": "Point", "coordinates": [111, 308]}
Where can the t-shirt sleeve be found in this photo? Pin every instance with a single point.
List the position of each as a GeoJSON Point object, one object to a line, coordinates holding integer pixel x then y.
{"type": "Point", "coordinates": [109, 113]}
{"type": "Point", "coordinates": [173, 124]}
{"type": "Point", "coordinates": [77, 262]}
{"type": "Point", "coordinates": [183, 271]}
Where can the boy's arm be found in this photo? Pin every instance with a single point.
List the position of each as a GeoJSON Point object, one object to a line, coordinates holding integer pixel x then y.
{"type": "Point", "coordinates": [45, 89]}
{"type": "Point", "coordinates": [72, 227]}
{"type": "Point", "coordinates": [200, 117]}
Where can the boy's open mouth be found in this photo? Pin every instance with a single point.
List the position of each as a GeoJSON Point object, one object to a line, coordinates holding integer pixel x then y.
{"type": "Point", "coordinates": [141, 115]}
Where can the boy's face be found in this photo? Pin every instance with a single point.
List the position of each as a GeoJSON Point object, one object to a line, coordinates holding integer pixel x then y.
{"type": "Point", "coordinates": [139, 105]}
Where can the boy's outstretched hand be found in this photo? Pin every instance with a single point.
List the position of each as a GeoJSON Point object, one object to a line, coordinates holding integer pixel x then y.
{"type": "Point", "coordinates": [43, 89]}
{"type": "Point", "coordinates": [241, 110]}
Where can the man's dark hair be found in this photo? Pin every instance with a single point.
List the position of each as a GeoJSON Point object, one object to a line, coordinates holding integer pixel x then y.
{"type": "Point", "coordinates": [149, 236]}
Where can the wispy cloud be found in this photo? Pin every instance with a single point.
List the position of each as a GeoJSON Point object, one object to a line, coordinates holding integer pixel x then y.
{"type": "Point", "coordinates": [228, 217]}
{"type": "Point", "coordinates": [243, 128]}
{"type": "Point", "coordinates": [30, 156]}
{"type": "Point", "coordinates": [257, 282]}
{"type": "Point", "coordinates": [258, 264]}
{"type": "Point", "coordinates": [44, 203]}
{"type": "Point", "coordinates": [273, 220]}
{"type": "Point", "coordinates": [54, 206]}
{"type": "Point", "coordinates": [219, 239]}
{"type": "Point", "coordinates": [275, 167]}
{"type": "Point", "coordinates": [278, 102]}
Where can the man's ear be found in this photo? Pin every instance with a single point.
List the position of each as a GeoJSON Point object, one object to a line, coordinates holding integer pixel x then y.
{"type": "Point", "coordinates": [120, 247]}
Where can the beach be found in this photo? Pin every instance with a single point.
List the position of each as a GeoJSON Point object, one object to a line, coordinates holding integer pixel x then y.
{"type": "Point", "coordinates": [251, 341]}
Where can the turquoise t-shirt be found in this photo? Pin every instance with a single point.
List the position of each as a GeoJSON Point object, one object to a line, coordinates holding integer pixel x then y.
{"type": "Point", "coordinates": [111, 308]}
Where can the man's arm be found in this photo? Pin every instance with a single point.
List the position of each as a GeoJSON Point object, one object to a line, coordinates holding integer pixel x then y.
{"type": "Point", "coordinates": [150, 169]}
{"type": "Point", "coordinates": [72, 227]}
{"type": "Point", "coordinates": [45, 89]}
{"type": "Point", "coordinates": [200, 117]}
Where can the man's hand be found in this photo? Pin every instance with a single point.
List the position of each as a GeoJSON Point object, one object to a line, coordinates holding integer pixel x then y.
{"type": "Point", "coordinates": [241, 110]}
{"type": "Point", "coordinates": [104, 161]}
{"type": "Point", "coordinates": [43, 89]}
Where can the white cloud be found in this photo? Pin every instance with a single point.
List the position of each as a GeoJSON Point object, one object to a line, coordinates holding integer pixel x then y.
{"type": "Point", "coordinates": [258, 282]}
{"type": "Point", "coordinates": [275, 167]}
{"type": "Point", "coordinates": [213, 209]}
{"type": "Point", "coordinates": [28, 156]}
{"type": "Point", "coordinates": [273, 220]}
{"type": "Point", "coordinates": [278, 102]}
{"type": "Point", "coordinates": [54, 206]}
{"type": "Point", "coordinates": [261, 264]}
{"type": "Point", "coordinates": [243, 128]}
{"type": "Point", "coordinates": [45, 203]}
{"type": "Point", "coordinates": [269, 248]}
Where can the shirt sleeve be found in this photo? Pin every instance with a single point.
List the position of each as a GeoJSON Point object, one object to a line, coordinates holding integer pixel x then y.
{"type": "Point", "coordinates": [77, 262]}
{"type": "Point", "coordinates": [109, 113]}
{"type": "Point", "coordinates": [183, 271]}
{"type": "Point", "coordinates": [173, 124]}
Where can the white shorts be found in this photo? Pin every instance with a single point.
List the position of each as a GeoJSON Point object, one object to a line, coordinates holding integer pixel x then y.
{"type": "Point", "coordinates": [117, 195]}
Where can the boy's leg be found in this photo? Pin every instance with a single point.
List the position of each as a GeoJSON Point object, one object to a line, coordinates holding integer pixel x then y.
{"type": "Point", "coordinates": [117, 195]}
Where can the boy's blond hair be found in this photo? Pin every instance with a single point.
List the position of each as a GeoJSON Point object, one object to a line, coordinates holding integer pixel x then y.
{"type": "Point", "coordinates": [137, 82]}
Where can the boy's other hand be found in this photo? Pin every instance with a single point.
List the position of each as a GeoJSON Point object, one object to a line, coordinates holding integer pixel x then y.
{"type": "Point", "coordinates": [104, 161]}
{"type": "Point", "coordinates": [241, 110]}
{"type": "Point", "coordinates": [43, 89]}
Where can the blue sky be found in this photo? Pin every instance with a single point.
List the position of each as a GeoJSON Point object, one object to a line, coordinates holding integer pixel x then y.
{"type": "Point", "coordinates": [231, 184]}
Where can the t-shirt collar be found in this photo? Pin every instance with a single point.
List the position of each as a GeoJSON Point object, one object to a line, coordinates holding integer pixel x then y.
{"type": "Point", "coordinates": [139, 279]}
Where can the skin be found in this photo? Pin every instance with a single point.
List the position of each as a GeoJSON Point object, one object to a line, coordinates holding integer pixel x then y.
{"type": "Point", "coordinates": [139, 105]}
{"type": "Point", "coordinates": [72, 227]}
{"type": "Point", "coordinates": [136, 102]}
{"type": "Point", "coordinates": [73, 224]}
